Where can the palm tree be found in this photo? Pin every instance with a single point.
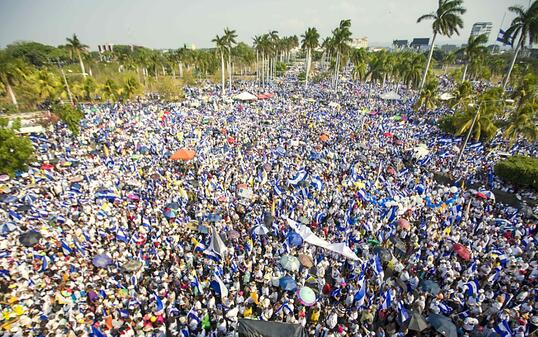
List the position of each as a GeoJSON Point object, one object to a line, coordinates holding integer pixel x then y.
{"type": "Point", "coordinates": [341, 38]}
{"type": "Point", "coordinates": [527, 90]}
{"type": "Point", "coordinates": [474, 48]}
{"type": "Point", "coordinates": [12, 71]}
{"type": "Point", "coordinates": [428, 97]}
{"type": "Point", "coordinates": [525, 25]}
{"type": "Point", "coordinates": [523, 123]}
{"type": "Point", "coordinates": [478, 119]}
{"type": "Point", "coordinates": [446, 21]}
{"type": "Point", "coordinates": [75, 47]}
{"type": "Point", "coordinates": [229, 38]}
{"type": "Point", "coordinates": [256, 44]}
{"type": "Point", "coordinates": [462, 95]}
{"type": "Point", "coordinates": [359, 59]}
{"type": "Point", "coordinates": [272, 49]}
{"type": "Point", "coordinates": [130, 88]}
{"type": "Point", "coordinates": [48, 85]}
{"type": "Point", "coordinates": [410, 68]}
{"type": "Point", "coordinates": [448, 59]}
{"type": "Point", "coordinates": [220, 42]}
{"type": "Point", "coordinates": [310, 41]}
{"type": "Point", "coordinates": [109, 90]}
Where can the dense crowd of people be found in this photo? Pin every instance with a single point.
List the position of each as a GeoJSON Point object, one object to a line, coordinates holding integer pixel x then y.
{"type": "Point", "coordinates": [309, 207]}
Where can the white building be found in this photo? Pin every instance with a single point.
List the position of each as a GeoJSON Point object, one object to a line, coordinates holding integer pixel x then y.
{"type": "Point", "coordinates": [359, 42]}
{"type": "Point", "coordinates": [480, 28]}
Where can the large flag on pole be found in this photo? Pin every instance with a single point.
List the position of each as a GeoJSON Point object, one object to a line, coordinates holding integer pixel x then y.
{"type": "Point", "coordinates": [506, 40]}
{"type": "Point", "coordinates": [216, 244]}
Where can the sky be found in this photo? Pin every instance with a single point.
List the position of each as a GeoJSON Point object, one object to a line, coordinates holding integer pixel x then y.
{"type": "Point", "coordinates": [167, 24]}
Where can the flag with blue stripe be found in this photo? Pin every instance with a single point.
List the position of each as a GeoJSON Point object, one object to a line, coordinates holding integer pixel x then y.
{"type": "Point", "coordinates": [66, 249]}
{"type": "Point", "coordinates": [387, 300]}
{"type": "Point", "coordinates": [404, 315]}
{"type": "Point", "coordinates": [299, 177]}
{"type": "Point", "coordinates": [472, 288]}
{"type": "Point", "coordinates": [316, 183]}
{"type": "Point", "coordinates": [503, 329]}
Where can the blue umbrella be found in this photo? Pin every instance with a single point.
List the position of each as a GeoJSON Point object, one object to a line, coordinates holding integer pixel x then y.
{"type": "Point", "coordinates": [294, 239]}
{"type": "Point", "coordinates": [101, 260]}
{"type": "Point", "coordinates": [9, 199]}
{"type": "Point", "coordinates": [429, 287]}
{"type": "Point", "coordinates": [8, 227]}
{"type": "Point", "coordinates": [287, 283]}
{"type": "Point", "coordinates": [280, 151]}
{"type": "Point", "coordinates": [443, 325]}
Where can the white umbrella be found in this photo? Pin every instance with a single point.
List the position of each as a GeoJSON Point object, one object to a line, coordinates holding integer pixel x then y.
{"type": "Point", "coordinates": [245, 96]}
{"type": "Point", "coordinates": [391, 95]}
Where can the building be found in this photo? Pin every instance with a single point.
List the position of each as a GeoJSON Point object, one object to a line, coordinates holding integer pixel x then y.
{"type": "Point", "coordinates": [359, 42]}
{"type": "Point", "coordinates": [400, 44]}
{"type": "Point", "coordinates": [420, 44]}
{"type": "Point", "coordinates": [449, 48]}
{"type": "Point", "coordinates": [480, 28]}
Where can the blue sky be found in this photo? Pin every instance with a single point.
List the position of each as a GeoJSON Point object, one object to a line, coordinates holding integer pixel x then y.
{"type": "Point", "coordinates": [171, 23]}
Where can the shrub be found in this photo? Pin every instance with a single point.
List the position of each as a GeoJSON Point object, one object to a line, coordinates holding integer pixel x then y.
{"type": "Point", "coordinates": [16, 151]}
{"type": "Point", "coordinates": [70, 115]}
{"type": "Point", "coordinates": [446, 124]}
{"type": "Point", "coordinates": [519, 170]}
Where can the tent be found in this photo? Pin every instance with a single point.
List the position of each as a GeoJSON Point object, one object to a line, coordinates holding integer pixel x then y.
{"type": "Point", "coordinates": [245, 96]}
{"type": "Point", "coordinates": [391, 95]}
{"type": "Point", "coordinates": [256, 328]}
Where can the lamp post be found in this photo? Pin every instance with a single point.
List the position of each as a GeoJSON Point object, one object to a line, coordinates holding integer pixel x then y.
{"type": "Point", "coordinates": [468, 134]}
{"type": "Point", "coordinates": [67, 86]}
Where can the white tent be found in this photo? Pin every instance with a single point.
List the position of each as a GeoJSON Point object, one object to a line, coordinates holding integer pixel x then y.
{"type": "Point", "coordinates": [391, 95]}
{"type": "Point", "coordinates": [446, 96]}
{"type": "Point", "coordinates": [245, 96]}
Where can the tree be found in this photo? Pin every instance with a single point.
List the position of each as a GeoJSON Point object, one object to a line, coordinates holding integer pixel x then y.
{"type": "Point", "coordinates": [70, 115]}
{"type": "Point", "coordinates": [221, 45]}
{"type": "Point", "coordinates": [12, 71]}
{"type": "Point", "coordinates": [359, 59]}
{"type": "Point", "coordinates": [109, 90]}
{"type": "Point", "coordinates": [229, 41]}
{"type": "Point", "coordinates": [523, 123]}
{"type": "Point", "coordinates": [428, 96]}
{"type": "Point", "coordinates": [448, 59]}
{"type": "Point", "coordinates": [480, 116]}
{"type": "Point", "coordinates": [256, 45]}
{"type": "Point", "coordinates": [525, 25]}
{"type": "Point", "coordinates": [341, 40]}
{"type": "Point", "coordinates": [474, 48]}
{"type": "Point", "coordinates": [310, 41]}
{"type": "Point", "coordinates": [47, 84]}
{"type": "Point", "coordinates": [410, 68]}
{"type": "Point", "coordinates": [446, 21]}
{"type": "Point", "coordinates": [130, 88]}
{"type": "Point", "coordinates": [75, 47]}
{"type": "Point", "coordinates": [16, 151]}
{"type": "Point", "coordinates": [463, 95]}
{"type": "Point", "coordinates": [527, 90]}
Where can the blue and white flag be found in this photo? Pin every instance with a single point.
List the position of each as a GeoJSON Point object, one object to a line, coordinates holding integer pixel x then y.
{"type": "Point", "coordinates": [66, 249]}
{"type": "Point", "coordinates": [122, 236]}
{"type": "Point", "coordinates": [503, 329]}
{"type": "Point", "coordinates": [506, 40]}
{"type": "Point", "coordinates": [404, 315]}
{"type": "Point", "coordinates": [15, 216]}
{"type": "Point", "coordinates": [378, 268]}
{"type": "Point", "coordinates": [158, 303]}
{"type": "Point", "coordinates": [195, 283]}
{"type": "Point", "coordinates": [472, 288]}
{"type": "Point", "coordinates": [317, 183]}
{"type": "Point", "coordinates": [361, 294]}
{"type": "Point", "coordinates": [97, 333]}
{"type": "Point", "coordinates": [299, 176]}
{"type": "Point", "coordinates": [387, 300]}
{"type": "Point", "coordinates": [278, 191]}
{"type": "Point", "coordinates": [445, 309]}
{"type": "Point", "coordinates": [320, 216]}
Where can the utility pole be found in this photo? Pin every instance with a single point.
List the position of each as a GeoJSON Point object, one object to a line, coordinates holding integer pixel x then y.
{"type": "Point", "coordinates": [65, 81]}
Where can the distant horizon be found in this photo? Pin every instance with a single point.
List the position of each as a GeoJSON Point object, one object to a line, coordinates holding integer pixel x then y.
{"type": "Point", "coordinates": [168, 24]}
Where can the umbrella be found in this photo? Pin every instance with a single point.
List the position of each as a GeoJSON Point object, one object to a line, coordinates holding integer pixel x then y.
{"type": "Point", "coordinates": [101, 260]}
{"type": "Point", "coordinates": [203, 229]}
{"type": "Point", "coordinates": [287, 283]}
{"type": "Point", "coordinates": [294, 239]}
{"type": "Point", "coordinates": [233, 234]}
{"type": "Point", "coordinates": [403, 223]}
{"type": "Point", "coordinates": [260, 230]}
{"type": "Point", "coordinates": [388, 134]}
{"type": "Point", "coordinates": [443, 325]}
{"type": "Point", "coordinates": [183, 154]}
{"type": "Point", "coordinates": [169, 213]}
{"type": "Point", "coordinates": [430, 287]}
{"type": "Point", "coordinates": [462, 251]}
{"type": "Point", "coordinates": [133, 197]}
{"type": "Point", "coordinates": [8, 199]}
{"type": "Point", "coordinates": [4, 177]}
{"type": "Point", "coordinates": [30, 238]}
{"type": "Point", "coordinates": [290, 263]}
{"type": "Point", "coordinates": [324, 137]}
{"type": "Point", "coordinates": [173, 205]}
{"type": "Point", "coordinates": [132, 265]}
{"type": "Point", "coordinates": [268, 219]}
{"type": "Point", "coordinates": [24, 208]}
{"type": "Point", "coordinates": [384, 254]}
{"type": "Point", "coordinates": [481, 195]}
{"type": "Point", "coordinates": [8, 227]}
{"type": "Point", "coordinates": [306, 260]}
{"type": "Point", "coordinates": [417, 322]}
{"type": "Point", "coordinates": [306, 296]}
